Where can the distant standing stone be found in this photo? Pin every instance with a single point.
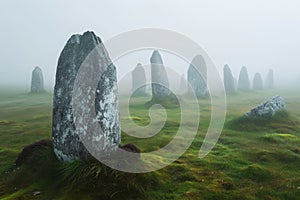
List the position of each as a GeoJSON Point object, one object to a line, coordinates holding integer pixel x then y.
{"type": "Point", "coordinates": [228, 80]}
{"type": "Point", "coordinates": [37, 81]}
{"type": "Point", "coordinates": [183, 84]}
{"type": "Point", "coordinates": [197, 75]}
{"type": "Point", "coordinates": [235, 80]}
{"type": "Point", "coordinates": [244, 81]}
{"type": "Point", "coordinates": [139, 80]}
{"type": "Point", "coordinates": [67, 144]}
{"type": "Point", "coordinates": [160, 83]}
{"type": "Point", "coordinates": [258, 82]}
{"type": "Point", "coordinates": [270, 80]}
{"type": "Point", "coordinates": [268, 108]}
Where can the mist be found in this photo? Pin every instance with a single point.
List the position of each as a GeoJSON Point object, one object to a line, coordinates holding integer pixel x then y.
{"type": "Point", "coordinates": [258, 35]}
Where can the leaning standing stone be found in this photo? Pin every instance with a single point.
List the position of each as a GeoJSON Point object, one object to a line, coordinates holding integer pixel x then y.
{"type": "Point", "coordinates": [258, 82]}
{"type": "Point", "coordinates": [37, 81]}
{"type": "Point", "coordinates": [66, 140]}
{"type": "Point", "coordinates": [197, 75]}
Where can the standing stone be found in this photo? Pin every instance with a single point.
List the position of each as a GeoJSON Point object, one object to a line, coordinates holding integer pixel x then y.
{"type": "Point", "coordinates": [183, 84]}
{"type": "Point", "coordinates": [244, 81]}
{"type": "Point", "coordinates": [235, 80]}
{"type": "Point", "coordinates": [270, 80]}
{"type": "Point", "coordinates": [228, 80]}
{"type": "Point", "coordinates": [160, 83]}
{"type": "Point", "coordinates": [139, 80]}
{"type": "Point", "coordinates": [67, 144]}
{"type": "Point", "coordinates": [37, 81]}
{"type": "Point", "coordinates": [197, 75]}
{"type": "Point", "coordinates": [258, 82]}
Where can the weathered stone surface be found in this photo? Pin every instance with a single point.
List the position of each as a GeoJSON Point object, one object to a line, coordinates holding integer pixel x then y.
{"type": "Point", "coordinates": [228, 80]}
{"type": "Point", "coordinates": [244, 81]}
{"type": "Point", "coordinates": [268, 108]}
{"type": "Point", "coordinates": [258, 82]}
{"type": "Point", "coordinates": [37, 81]}
{"type": "Point", "coordinates": [160, 82]}
{"type": "Point", "coordinates": [197, 75]}
{"type": "Point", "coordinates": [67, 144]}
{"type": "Point", "coordinates": [139, 80]}
{"type": "Point", "coordinates": [270, 80]}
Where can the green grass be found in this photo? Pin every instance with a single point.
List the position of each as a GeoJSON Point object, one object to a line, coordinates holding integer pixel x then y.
{"type": "Point", "coordinates": [253, 159]}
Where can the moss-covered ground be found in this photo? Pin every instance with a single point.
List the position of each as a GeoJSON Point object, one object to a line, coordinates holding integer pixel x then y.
{"type": "Point", "coordinates": [253, 159]}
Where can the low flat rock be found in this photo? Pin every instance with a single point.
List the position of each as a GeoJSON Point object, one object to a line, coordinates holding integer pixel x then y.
{"type": "Point", "coordinates": [268, 108]}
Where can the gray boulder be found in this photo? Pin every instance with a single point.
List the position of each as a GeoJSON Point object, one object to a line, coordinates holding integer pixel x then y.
{"type": "Point", "coordinates": [159, 78]}
{"type": "Point", "coordinates": [228, 80]}
{"type": "Point", "coordinates": [37, 81]}
{"type": "Point", "coordinates": [270, 80]}
{"type": "Point", "coordinates": [258, 82]}
{"type": "Point", "coordinates": [197, 75]}
{"type": "Point", "coordinates": [268, 108]}
{"type": "Point", "coordinates": [244, 81]}
{"type": "Point", "coordinates": [139, 80]}
{"type": "Point", "coordinates": [67, 144]}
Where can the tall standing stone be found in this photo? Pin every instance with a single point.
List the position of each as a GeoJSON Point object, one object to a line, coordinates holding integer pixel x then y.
{"type": "Point", "coordinates": [244, 81]}
{"type": "Point", "coordinates": [258, 82]}
{"type": "Point", "coordinates": [160, 83]}
{"type": "Point", "coordinates": [197, 75]}
{"type": "Point", "coordinates": [139, 80]}
{"type": "Point", "coordinates": [37, 81]}
{"type": "Point", "coordinates": [270, 80]}
{"type": "Point", "coordinates": [228, 80]}
{"type": "Point", "coordinates": [66, 140]}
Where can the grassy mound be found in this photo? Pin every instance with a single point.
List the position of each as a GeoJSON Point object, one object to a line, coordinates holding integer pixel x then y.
{"type": "Point", "coordinates": [39, 173]}
{"type": "Point", "coordinates": [282, 122]}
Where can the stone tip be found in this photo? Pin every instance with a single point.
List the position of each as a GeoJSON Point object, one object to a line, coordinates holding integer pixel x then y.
{"type": "Point", "coordinates": [156, 58]}
{"type": "Point", "coordinates": [75, 39]}
{"type": "Point", "coordinates": [198, 60]}
{"type": "Point", "coordinates": [37, 68]}
{"type": "Point", "coordinates": [89, 35]}
{"type": "Point", "coordinates": [226, 67]}
{"type": "Point", "coordinates": [257, 74]}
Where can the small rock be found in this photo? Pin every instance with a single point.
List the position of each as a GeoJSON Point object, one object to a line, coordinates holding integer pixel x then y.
{"type": "Point", "coordinates": [37, 193]}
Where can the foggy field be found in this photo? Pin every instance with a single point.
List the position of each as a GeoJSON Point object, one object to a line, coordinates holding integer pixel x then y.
{"type": "Point", "coordinates": [250, 161]}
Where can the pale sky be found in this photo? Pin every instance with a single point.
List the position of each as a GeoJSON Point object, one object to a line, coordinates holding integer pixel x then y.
{"type": "Point", "coordinates": [256, 34]}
